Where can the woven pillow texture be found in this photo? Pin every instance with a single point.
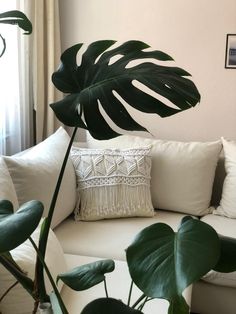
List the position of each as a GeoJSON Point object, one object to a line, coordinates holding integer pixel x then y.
{"type": "Point", "coordinates": [112, 183]}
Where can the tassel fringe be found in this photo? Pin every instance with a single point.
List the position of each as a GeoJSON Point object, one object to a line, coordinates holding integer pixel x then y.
{"type": "Point", "coordinates": [96, 203]}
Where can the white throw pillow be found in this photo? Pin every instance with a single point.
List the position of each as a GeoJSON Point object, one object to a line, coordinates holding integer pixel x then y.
{"type": "Point", "coordinates": [18, 301]}
{"type": "Point", "coordinates": [182, 173]}
{"type": "Point", "coordinates": [227, 205]}
{"type": "Point", "coordinates": [35, 172]}
{"type": "Point", "coordinates": [7, 190]}
{"type": "Point", "coordinates": [112, 183]}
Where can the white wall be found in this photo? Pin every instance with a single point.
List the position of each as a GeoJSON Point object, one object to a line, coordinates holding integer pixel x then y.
{"type": "Point", "coordinates": [192, 32]}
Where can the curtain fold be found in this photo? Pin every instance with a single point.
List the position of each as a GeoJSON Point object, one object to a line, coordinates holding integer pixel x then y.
{"type": "Point", "coordinates": [25, 76]}
{"type": "Point", "coordinates": [44, 15]}
{"type": "Point", "coordinates": [16, 104]}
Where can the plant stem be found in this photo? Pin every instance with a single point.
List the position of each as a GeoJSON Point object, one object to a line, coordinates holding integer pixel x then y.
{"type": "Point", "coordinates": [105, 286]}
{"type": "Point", "coordinates": [4, 45]}
{"type": "Point", "coordinates": [8, 290]}
{"type": "Point", "coordinates": [130, 292]}
{"type": "Point", "coordinates": [41, 291]}
{"type": "Point", "coordinates": [36, 304]}
{"type": "Point", "coordinates": [142, 304]}
{"type": "Point", "coordinates": [19, 275]}
{"type": "Point", "coordinates": [139, 300]}
{"type": "Point", "coordinates": [62, 305]}
{"type": "Point", "coordinates": [58, 185]}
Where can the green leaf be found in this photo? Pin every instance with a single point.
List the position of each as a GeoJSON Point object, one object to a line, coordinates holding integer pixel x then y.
{"type": "Point", "coordinates": [108, 306]}
{"type": "Point", "coordinates": [87, 276]}
{"type": "Point", "coordinates": [178, 306]}
{"type": "Point", "coordinates": [227, 260]}
{"type": "Point", "coordinates": [163, 263]}
{"type": "Point", "coordinates": [8, 257]}
{"type": "Point", "coordinates": [15, 228]}
{"type": "Point", "coordinates": [16, 17]}
{"type": "Point", "coordinates": [95, 83]}
{"type": "Point", "coordinates": [185, 219]}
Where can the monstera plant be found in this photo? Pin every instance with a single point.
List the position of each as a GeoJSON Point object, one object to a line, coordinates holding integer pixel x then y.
{"type": "Point", "coordinates": [162, 263]}
{"type": "Point", "coordinates": [93, 84]}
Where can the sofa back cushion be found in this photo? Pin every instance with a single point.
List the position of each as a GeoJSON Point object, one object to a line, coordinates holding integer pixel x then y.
{"type": "Point", "coordinates": [227, 205]}
{"type": "Point", "coordinates": [7, 190]}
{"type": "Point", "coordinates": [35, 173]}
{"type": "Point", "coordinates": [182, 173]}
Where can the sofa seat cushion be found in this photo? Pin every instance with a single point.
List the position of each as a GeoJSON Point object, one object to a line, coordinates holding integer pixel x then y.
{"type": "Point", "coordinates": [227, 227]}
{"type": "Point", "coordinates": [107, 238]}
{"type": "Point", "coordinates": [118, 283]}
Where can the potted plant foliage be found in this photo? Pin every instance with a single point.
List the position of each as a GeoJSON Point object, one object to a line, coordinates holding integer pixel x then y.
{"type": "Point", "coordinates": [14, 17]}
{"type": "Point", "coordinates": [162, 263]}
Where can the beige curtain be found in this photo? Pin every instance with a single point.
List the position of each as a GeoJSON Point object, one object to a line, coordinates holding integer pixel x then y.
{"type": "Point", "coordinates": [46, 57]}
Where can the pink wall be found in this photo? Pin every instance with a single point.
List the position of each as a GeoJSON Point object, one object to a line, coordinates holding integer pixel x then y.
{"type": "Point", "coordinates": [193, 32]}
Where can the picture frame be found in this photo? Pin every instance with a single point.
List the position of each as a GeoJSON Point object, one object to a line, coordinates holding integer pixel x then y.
{"type": "Point", "coordinates": [230, 53]}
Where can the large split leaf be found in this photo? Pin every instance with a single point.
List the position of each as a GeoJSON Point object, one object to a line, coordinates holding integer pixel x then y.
{"type": "Point", "coordinates": [88, 275]}
{"type": "Point", "coordinates": [178, 305]}
{"type": "Point", "coordinates": [108, 306]}
{"type": "Point", "coordinates": [97, 80]}
{"type": "Point", "coordinates": [15, 228]}
{"type": "Point", "coordinates": [227, 260]}
{"type": "Point", "coordinates": [162, 263]}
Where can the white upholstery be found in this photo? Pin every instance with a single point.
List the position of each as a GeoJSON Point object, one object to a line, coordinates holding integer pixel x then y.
{"type": "Point", "coordinates": [18, 301]}
{"type": "Point", "coordinates": [227, 205]}
{"type": "Point", "coordinates": [7, 190]}
{"type": "Point", "coordinates": [182, 173]}
{"type": "Point", "coordinates": [212, 299]}
{"type": "Point", "coordinates": [83, 241]}
{"type": "Point", "coordinates": [107, 238]}
{"type": "Point", "coordinates": [35, 173]}
{"type": "Point", "coordinates": [223, 225]}
{"type": "Point", "coordinates": [118, 283]}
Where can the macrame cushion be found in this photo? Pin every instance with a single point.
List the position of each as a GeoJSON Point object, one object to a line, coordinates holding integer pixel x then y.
{"type": "Point", "coordinates": [112, 183]}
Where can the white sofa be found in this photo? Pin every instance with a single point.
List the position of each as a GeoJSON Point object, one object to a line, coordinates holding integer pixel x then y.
{"type": "Point", "coordinates": [178, 169]}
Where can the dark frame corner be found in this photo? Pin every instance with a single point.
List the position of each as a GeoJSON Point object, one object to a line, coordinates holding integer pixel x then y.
{"type": "Point", "coordinates": [230, 51]}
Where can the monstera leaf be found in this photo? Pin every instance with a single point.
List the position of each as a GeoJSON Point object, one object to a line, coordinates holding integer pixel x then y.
{"type": "Point", "coordinates": [15, 228]}
{"type": "Point", "coordinates": [108, 306]}
{"type": "Point", "coordinates": [87, 276]}
{"type": "Point", "coordinates": [162, 263]}
{"type": "Point", "coordinates": [227, 260]}
{"type": "Point", "coordinates": [100, 81]}
{"type": "Point", "coordinates": [15, 18]}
